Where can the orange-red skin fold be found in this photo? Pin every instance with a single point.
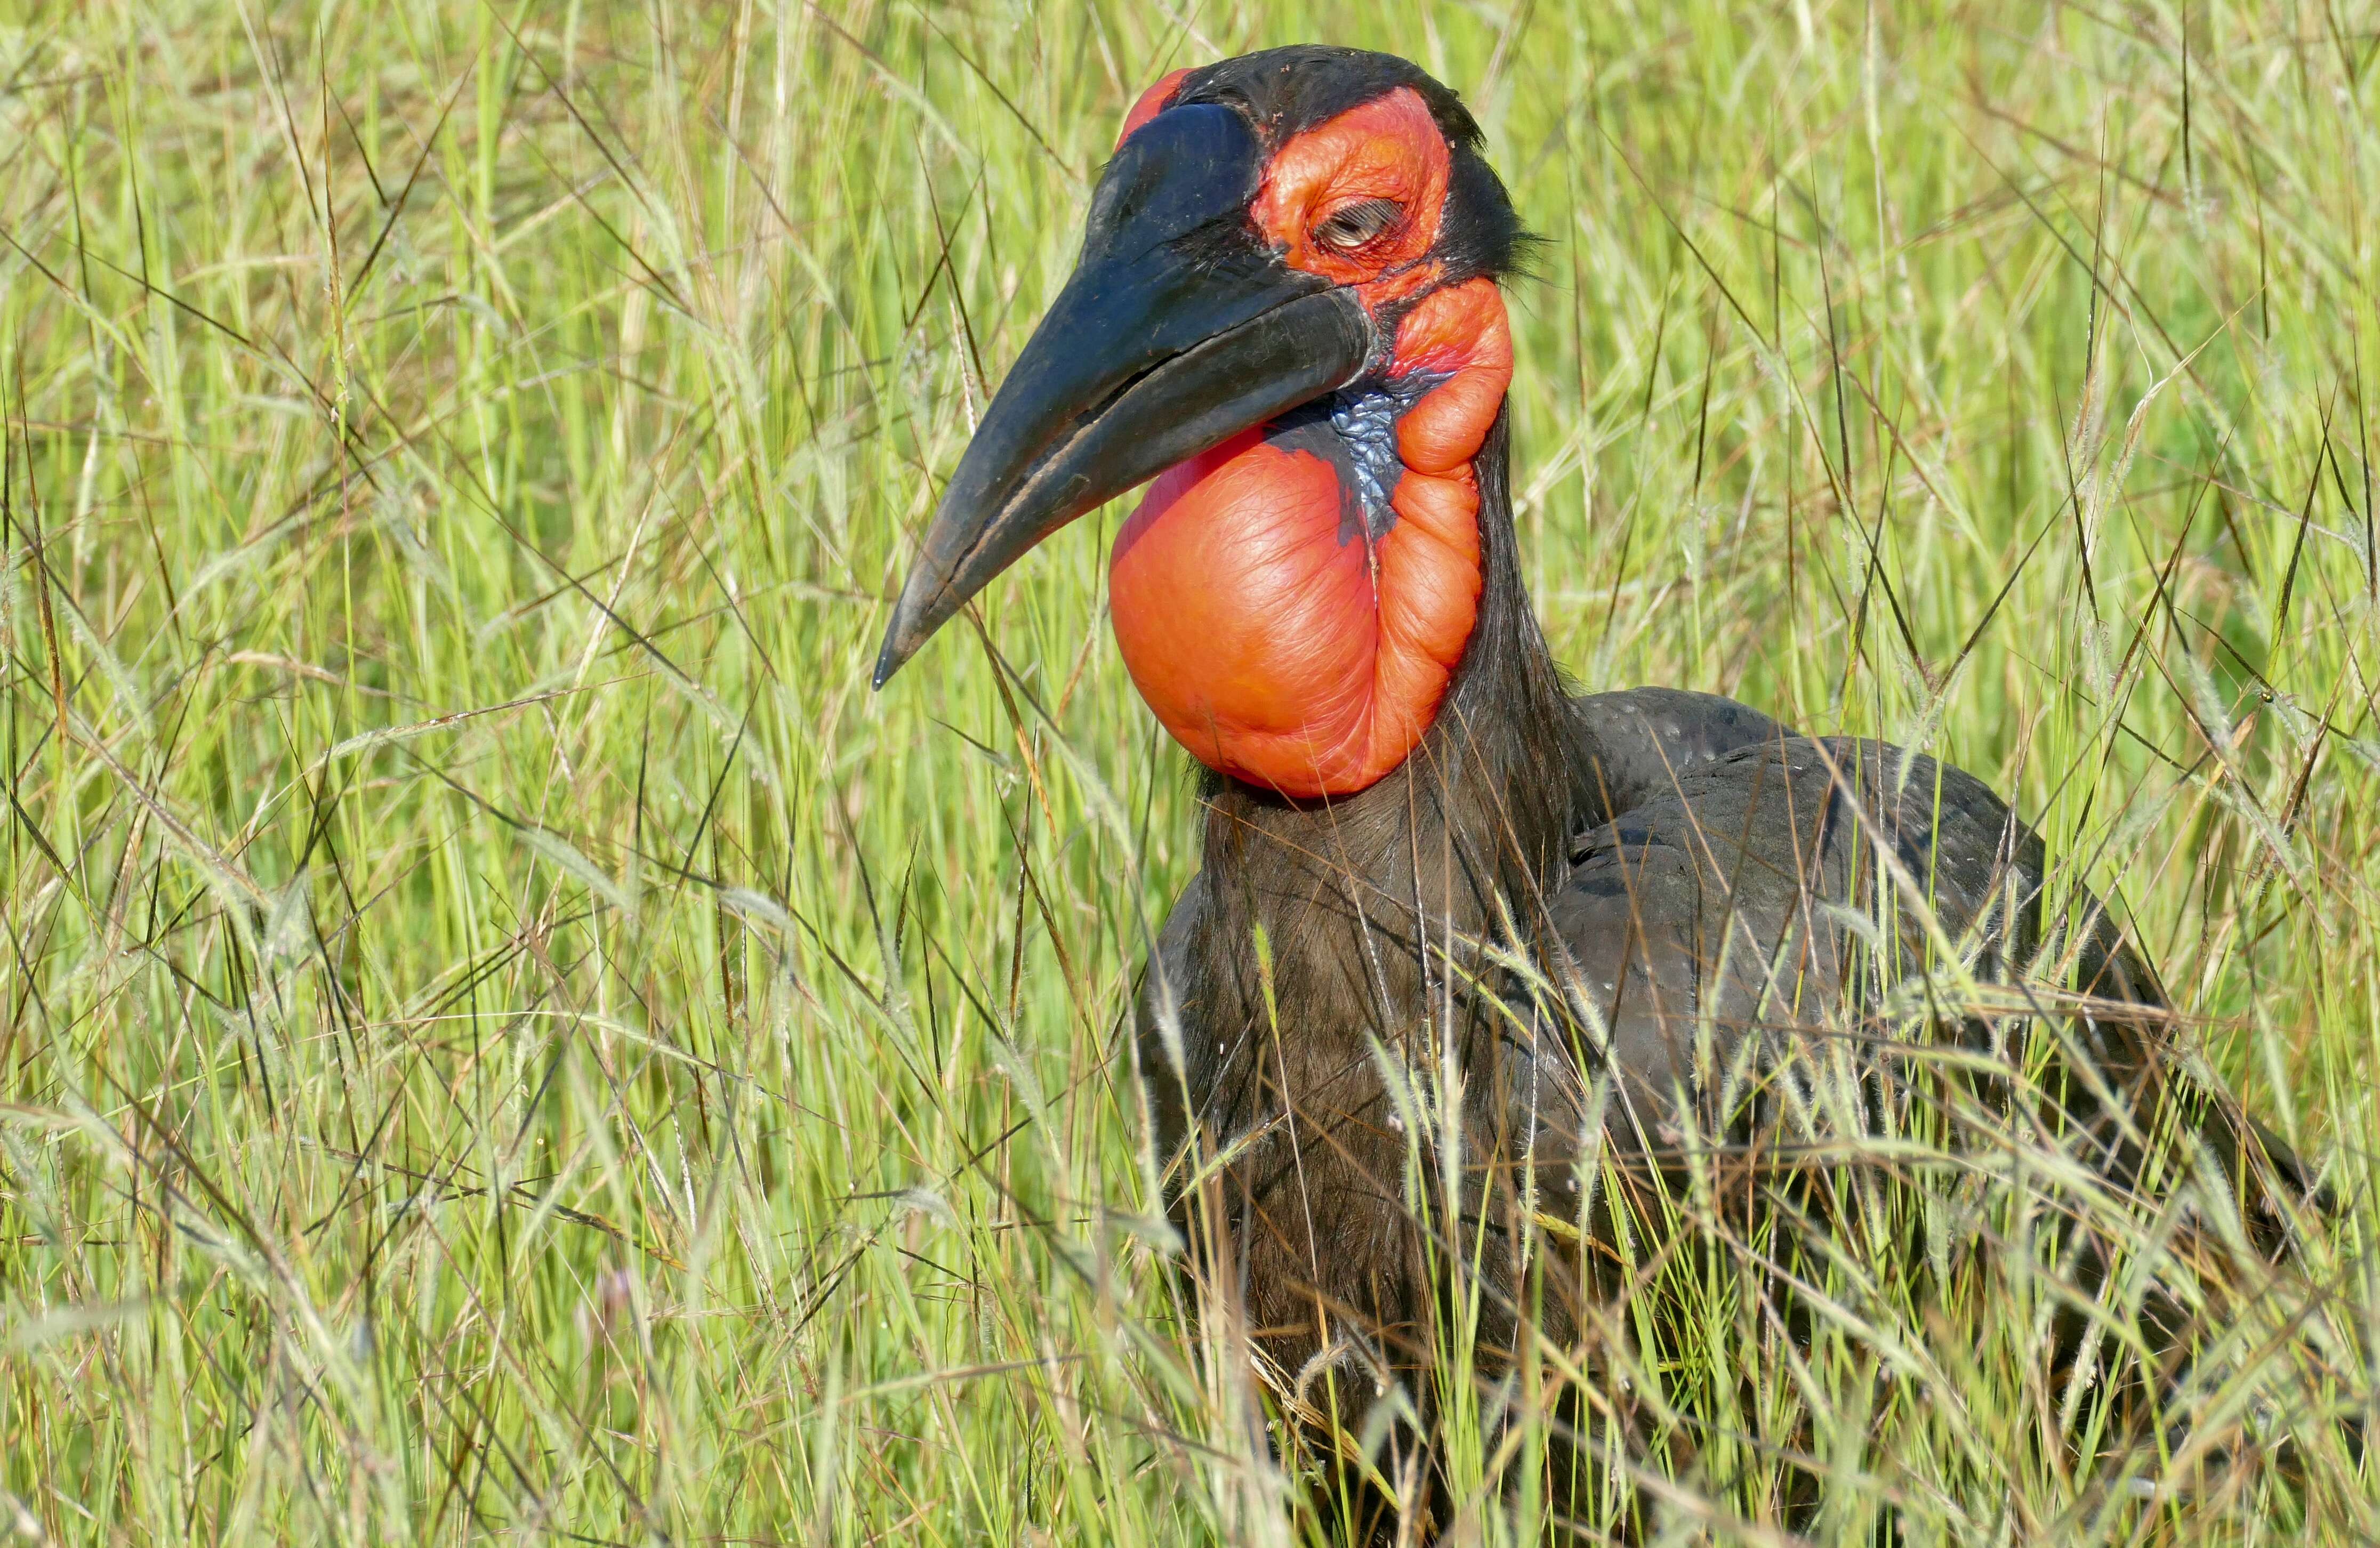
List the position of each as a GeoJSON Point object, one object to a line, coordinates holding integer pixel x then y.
{"type": "Point", "coordinates": [1277, 653]}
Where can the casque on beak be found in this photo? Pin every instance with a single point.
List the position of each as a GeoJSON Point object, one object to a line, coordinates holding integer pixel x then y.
{"type": "Point", "coordinates": [1179, 329]}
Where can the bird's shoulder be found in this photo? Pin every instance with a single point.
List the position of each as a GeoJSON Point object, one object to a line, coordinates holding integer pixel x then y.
{"type": "Point", "coordinates": [1736, 865]}
{"type": "Point", "coordinates": [1744, 800]}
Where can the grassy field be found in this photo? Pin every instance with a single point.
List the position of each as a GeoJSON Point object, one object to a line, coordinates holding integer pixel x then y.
{"type": "Point", "coordinates": [503, 1036]}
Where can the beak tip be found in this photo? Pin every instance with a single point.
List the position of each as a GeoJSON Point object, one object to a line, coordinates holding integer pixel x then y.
{"type": "Point", "coordinates": [888, 661]}
{"type": "Point", "coordinates": [919, 612]}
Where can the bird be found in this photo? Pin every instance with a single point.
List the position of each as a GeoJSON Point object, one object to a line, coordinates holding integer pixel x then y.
{"type": "Point", "coordinates": [1439, 890]}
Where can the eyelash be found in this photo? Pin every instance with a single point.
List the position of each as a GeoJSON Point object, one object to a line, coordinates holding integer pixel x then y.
{"type": "Point", "coordinates": [1354, 225]}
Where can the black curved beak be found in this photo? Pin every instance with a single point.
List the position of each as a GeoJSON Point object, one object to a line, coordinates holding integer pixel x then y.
{"type": "Point", "coordinates": [1179, 329]}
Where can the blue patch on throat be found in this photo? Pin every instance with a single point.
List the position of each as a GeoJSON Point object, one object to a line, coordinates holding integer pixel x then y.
{"type": "Point", "coordinates": [1355, 429]}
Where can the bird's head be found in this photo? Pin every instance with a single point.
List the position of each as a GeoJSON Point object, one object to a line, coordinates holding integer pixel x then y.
{"type": "Point", "coordinates": [1285, 313]}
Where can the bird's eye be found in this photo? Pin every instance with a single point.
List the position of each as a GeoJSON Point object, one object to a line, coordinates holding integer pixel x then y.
{"type": "Point", "coordinates": [1351, 225]}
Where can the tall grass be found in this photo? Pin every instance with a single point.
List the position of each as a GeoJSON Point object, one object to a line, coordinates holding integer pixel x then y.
{"type": "Point", "coordinates": [504, 1036]}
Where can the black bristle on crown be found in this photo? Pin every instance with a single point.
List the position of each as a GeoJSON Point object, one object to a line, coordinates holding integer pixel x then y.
{"type": "Point", "coordinates": [1482, 232]}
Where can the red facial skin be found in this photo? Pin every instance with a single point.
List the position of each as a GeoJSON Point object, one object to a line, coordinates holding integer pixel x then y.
{"type": "Point", "coordinates": [1277, 654]}
{"type": "Point", "coordinates": [1386, 148]}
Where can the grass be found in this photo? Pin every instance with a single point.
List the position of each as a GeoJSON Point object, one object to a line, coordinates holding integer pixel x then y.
{"type": "Point", "coordinates": [503, 1036]}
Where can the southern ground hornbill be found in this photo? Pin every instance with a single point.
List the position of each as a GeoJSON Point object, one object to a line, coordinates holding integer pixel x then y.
{"type": "Point", "coordinates": [1588, 930]}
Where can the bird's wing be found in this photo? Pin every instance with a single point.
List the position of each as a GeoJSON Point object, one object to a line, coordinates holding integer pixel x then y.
{"type": "Point", "coordinates": [1755, 891]}
{"type": "Point", "coordinates": [1634, 742]}
{"type": "Point", "coordinates": [1807, 902]}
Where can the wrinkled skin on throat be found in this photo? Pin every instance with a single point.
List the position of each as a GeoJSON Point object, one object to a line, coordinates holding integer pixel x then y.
{"type": "Point", "coordinates": [1293, 603]}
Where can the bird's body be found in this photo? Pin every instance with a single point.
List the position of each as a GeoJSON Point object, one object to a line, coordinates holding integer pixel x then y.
{"type": "Point", "coordinates": [1699, 875]}
{"type": "Point", "coordinates": [1451, 921]}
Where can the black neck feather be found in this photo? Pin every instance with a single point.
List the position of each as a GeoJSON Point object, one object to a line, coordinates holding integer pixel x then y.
{"type": "Point", "coordinates": [1328, 940]}
{"type": "Point", "coordinates": [1360, 898]}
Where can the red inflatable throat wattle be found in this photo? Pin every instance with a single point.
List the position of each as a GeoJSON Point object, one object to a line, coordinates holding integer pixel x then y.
{"type": "Point", "coordinates": [1292, 607]}
{"type": "Point", "coordinates": [1275, 643]}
